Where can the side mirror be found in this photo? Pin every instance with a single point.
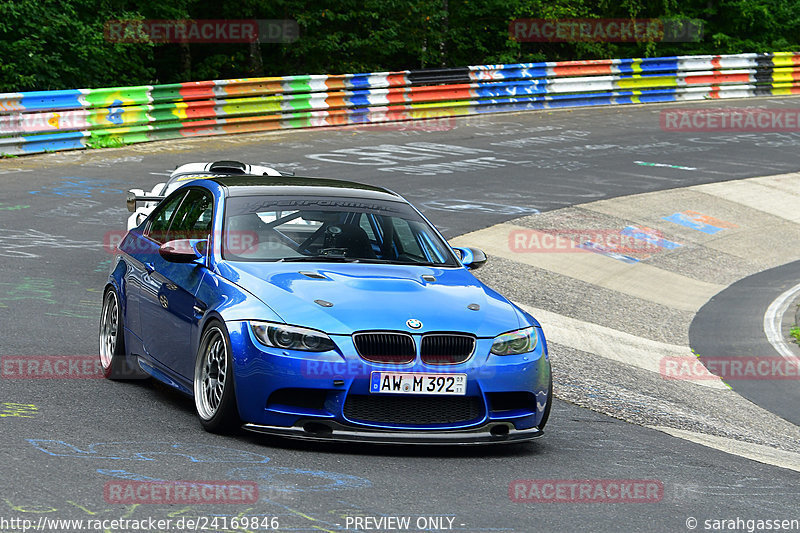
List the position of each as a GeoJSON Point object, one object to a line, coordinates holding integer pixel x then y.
{"type": "Point", "coordinates": [471, 258]}
{"type": "Point", "coordinates": [183, 250]}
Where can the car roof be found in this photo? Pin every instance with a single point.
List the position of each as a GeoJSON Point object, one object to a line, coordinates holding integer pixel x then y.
{"type": "Point", "coordinates": [248, 185]}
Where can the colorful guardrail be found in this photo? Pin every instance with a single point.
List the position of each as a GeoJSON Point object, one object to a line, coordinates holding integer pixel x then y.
{"type": "Point", "coordinates": [40, 121]}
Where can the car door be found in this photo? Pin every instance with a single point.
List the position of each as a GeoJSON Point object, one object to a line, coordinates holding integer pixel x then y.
{"type": "Point", "coordinates": [168, 309]}
{"type": "Point", "coordinates": [140, 250]}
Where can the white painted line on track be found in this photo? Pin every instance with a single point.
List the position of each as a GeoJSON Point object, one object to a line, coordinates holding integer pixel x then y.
{"type": "Point", "coordinates": [772, 323]}
{"type": "Point", "coordinates": [748, 450]}
{"type": "Point", "coordinates": [615, 345]}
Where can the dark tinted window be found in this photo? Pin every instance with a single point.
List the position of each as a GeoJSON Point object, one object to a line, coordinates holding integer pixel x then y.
{"type": "Point", "coordinates": [162, 217]}
{"type": "Point", "coordinates": [193, 218]}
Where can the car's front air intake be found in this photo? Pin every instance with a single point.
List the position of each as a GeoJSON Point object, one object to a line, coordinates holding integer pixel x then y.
{"type": "Point", "coordinates": [447, 348]}
{"type": "Point", "coordinates": [385, 346]}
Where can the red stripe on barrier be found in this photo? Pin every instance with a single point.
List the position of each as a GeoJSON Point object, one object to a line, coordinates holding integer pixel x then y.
{"type": "Point", "coordinates": [717, 78]}
{"type": "Point", "coordinates": [441, 92]}
{"type": "Point", "coordinates": [397, 80]}
{"type": "Point", "coordinates": [585, 70]}
{"type": "Point", "coordinates": [195, 90]}
{"type": "Point", "coordinates": [200, 109]}
{"type": "Point", "coordinates": [581, 68]}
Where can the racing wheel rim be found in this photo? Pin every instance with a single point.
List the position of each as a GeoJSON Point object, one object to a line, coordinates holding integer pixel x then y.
{"type": "Point", "coordinates": [109, 329]}
{"type": "Point", "coordinates": [210, 381]}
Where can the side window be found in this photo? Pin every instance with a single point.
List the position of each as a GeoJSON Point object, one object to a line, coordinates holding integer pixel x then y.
{"type": "Point", "coordinates": [193, 218]}
{"type": "Point", "coordinates": [162, 217]}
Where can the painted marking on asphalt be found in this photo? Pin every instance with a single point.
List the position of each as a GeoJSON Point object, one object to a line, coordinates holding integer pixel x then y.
{"type": "Point", "coordinates": [286, 480]}
{"type": "Point", "coordinates": [149, 451]}
{"type": "Point", "coordinates": [608, 252]}
{"type": "Point", "coordinates": [700, 222]}
{"type": "Point", "coordinates": [649, 235]}
{"type": "Point", "coordinates": [124, 474]}
{"type": "Point", "coordinates": [18, 410]}
{"type": "Point", "coordinates": [773, 319]}
{"type": "Point", "coordinates": [612, 344]}
{"type": "Point", "coordinates": [663, 165]}
{"type": "Point", "coordinates": [640, 280]}
{"type": "Point", "coordinates": [748, 450]}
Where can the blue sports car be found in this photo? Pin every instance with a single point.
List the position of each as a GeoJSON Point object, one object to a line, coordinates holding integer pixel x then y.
{"type": "Point", "coordinates": [320, 309]}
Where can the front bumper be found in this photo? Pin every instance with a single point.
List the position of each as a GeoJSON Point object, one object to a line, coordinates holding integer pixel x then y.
{"type": "Point", "coordinates": [308, 396]}
{"type": "Point", "coordinates": [329, 430]}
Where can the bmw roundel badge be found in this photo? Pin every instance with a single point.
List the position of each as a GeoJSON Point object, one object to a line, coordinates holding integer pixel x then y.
{"type": "Point", "coordinates": [413, 323]}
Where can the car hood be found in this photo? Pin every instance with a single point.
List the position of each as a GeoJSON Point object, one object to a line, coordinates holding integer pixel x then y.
{"type": "Point", "coordinates": [375, 297]}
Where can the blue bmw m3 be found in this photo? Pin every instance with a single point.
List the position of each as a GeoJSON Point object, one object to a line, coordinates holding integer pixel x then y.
{"type": "Point", "coordinates": [320, 309]}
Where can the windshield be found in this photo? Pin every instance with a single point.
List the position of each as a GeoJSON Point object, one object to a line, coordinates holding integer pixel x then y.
{"type": "Point", "coordinates": [307, 228]}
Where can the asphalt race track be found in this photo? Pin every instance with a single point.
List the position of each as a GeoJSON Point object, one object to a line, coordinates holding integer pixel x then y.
{"type": "Point", "coordinates": [62, 440]}
{"type": "Point", "coordinates": [729, 324]}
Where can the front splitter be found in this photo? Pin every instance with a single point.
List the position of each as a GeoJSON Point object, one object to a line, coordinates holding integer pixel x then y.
{"type": "Point", "coordinates": [491, 433]}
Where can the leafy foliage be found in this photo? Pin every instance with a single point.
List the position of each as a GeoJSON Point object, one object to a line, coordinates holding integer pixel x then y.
{"type": "Point", "coordinates": [48, 44]}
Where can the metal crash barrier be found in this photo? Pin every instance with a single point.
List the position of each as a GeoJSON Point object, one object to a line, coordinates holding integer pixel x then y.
{"type": "Point", "coordinates": [40, 121]}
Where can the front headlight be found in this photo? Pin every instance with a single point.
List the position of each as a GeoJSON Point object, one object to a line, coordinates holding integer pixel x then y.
{"type": "Point", "coordinates": [291, 337]}
{"type": "Point", "coordinates": [515, 342]}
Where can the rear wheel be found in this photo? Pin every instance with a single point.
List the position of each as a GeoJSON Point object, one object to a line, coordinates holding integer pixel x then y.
{"type": "Point", "coordinates": [214, 393]}
{"type": "Point", "coordinates": [113, 361]}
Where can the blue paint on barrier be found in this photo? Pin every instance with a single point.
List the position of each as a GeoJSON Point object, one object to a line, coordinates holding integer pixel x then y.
{"type": "Point", "coordinates": [115, 112]}
{"type": "Point", "coordinates": [48, 100]}
{"type": "Point", "coordinates": [661, 65]}
{"type": "Point", "coordinates": [490, 89]}
{"type": "Point", "coordinates": [359, 98]}
{"type": "Point", "coordinates": [53, 141]}
{"type": "Point", "coordinates": [359, 80]}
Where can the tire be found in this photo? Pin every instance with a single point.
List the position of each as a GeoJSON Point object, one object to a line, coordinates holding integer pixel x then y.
{"type": "Point", "coordinates": [547, 406]}
{"type": "Point", "coordinates": [214, 392]}
{"type": "Point", "coordinates": [113, 361]}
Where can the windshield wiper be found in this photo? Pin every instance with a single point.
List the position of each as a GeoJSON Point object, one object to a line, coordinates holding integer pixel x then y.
{"type": "Point", "coordinates": [320, 258]}
{"type": "Point", "coordinates": [404, 263]}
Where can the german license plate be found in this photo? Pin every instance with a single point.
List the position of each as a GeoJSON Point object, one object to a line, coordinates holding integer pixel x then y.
{"type": "Point", "coordinates": [414, 383]}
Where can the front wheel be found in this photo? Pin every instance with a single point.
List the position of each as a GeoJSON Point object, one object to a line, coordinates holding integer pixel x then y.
{"type": "Point", "coordinates": [214, 392]}
{"type": "Point", "coordinates": [113, 361]}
